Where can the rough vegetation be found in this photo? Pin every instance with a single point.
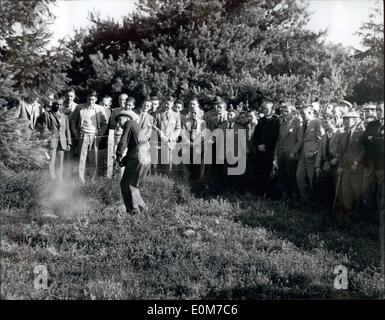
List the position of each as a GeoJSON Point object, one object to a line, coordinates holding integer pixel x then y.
{"type": "Point", "coordinates": [185, 247]}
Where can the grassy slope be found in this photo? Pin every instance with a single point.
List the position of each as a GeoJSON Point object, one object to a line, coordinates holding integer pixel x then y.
{"type": "Point", "coordinates": [184, 247]}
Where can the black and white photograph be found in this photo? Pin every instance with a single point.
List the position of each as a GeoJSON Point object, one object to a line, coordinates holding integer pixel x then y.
{"type": "Point", "coordinates": [192, 150]}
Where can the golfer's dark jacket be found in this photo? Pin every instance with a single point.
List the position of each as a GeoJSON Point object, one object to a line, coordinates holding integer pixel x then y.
{"type": "Point", "coordinates": [129, 140]}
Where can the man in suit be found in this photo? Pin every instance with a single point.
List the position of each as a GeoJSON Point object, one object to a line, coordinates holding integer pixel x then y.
{"type": "Point", "coordinates": [373, 140]}
{"type": "Point", "coordinates": [88, 124]}
{"type": "Point", "coordinates": [169, 125]}
{"type": "Point", "coordinates": [213, 171]}
{"type": "Point", "coordinates": [29, 110]}
{"type": "Point", "coordinates": [70, 157]}
{"type": "Point", "coordinates": [146, 121]}
{"type": "Point", "coordinates": [60, 138]}
{"type": "Point", "coordinates": [215, 119]}
{"type": "Point", "coordinates": [265, 139]}
{"type": "Point", "coordinates": [287, 151]}
{"type": "Point", "coordinates": [247, 184]}
{"type": "Point", "coordinates": [313, 133]}
{"type": "Point", "coordinates": [232, 150]}
{"type": "Point", "coordinates": [136, 161]}
{"type": "Point", "coordinates": [350, 151]}
{"type": "Point", "coordinates": [326, 163]}
{"type": "Point", "coordinates": [192, 130]}
{"type": "Point", "coordinates": [181, 111]}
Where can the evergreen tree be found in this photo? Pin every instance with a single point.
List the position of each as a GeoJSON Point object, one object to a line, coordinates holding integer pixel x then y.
{"type": "Point", "coordinates": [214, 47]}
{"type": "Point", "coordinates": [368, 84]}
{"type": "Point", "coordinates": [28, 70]}
{"type": "Point", "coordinates": [20, 149]}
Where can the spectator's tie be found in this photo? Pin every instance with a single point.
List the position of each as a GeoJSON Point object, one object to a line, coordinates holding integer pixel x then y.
{"type": "Point", "coordinates": [304, 126]}
{"type": "Point", "coordinates": [348, 139]}
{"type": "Point", "coordinates": [193, 127]}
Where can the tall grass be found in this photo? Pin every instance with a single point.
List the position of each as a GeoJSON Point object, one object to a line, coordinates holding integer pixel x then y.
{"type": "Point", "coordinates": [184, 247]}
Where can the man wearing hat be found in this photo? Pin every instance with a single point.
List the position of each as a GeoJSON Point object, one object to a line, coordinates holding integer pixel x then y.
{"type": "Point", "coordinates": [88, 124]}
{"type": "Point", "coordinates": [350, 152]}
{"type": "Point", "coordinates": [209, 108]}
{"type": "Point", "coordinates": [136, 161]}
{"type": "Point", "coordinates": [313, 132]}
{"type": "Point", "coordinates": [287, 151]}
{"type": "Point", "coordinates": [126, 103]}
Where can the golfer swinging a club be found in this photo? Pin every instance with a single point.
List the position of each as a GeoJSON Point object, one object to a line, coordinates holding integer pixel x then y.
{"type": "Point", "coordinates": [137, 161]}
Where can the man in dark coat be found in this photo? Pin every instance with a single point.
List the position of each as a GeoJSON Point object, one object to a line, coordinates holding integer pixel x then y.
{"type": "Point", "coordinates": [373, 141]}
{"type": "Point", "coordinates": [137, 162]}
{"type": "Point", "coordinates": [265, 139]}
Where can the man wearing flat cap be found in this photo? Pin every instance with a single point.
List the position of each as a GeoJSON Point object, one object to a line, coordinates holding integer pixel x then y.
{"type": "Point", "coordinates": [350, 153]}
{"type": "Point", "coordinates": [88, 124]}
{"type": "Point", "coordinates": [136, 162]}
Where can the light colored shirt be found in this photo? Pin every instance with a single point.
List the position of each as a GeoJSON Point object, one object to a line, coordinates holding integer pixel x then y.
{"type": "Point", "coordinates": [89, 124]}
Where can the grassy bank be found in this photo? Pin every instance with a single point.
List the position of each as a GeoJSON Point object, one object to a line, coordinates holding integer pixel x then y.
{"type": "Point", "coordinates": [185, 247]}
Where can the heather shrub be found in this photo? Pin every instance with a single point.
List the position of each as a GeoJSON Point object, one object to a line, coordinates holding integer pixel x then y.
{"type": "Point", "coordinates": [184, 247]}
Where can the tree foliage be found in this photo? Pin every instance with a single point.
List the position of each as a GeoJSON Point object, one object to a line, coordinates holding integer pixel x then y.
{"type": "Point", "coordinates": [369, 81]}
{"type": "Point", "coordinates": [27, 68]}
{"type": "Point", "coordinates": [235, 49]}
{"type": "Point", "coordinates": [20, 148]}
